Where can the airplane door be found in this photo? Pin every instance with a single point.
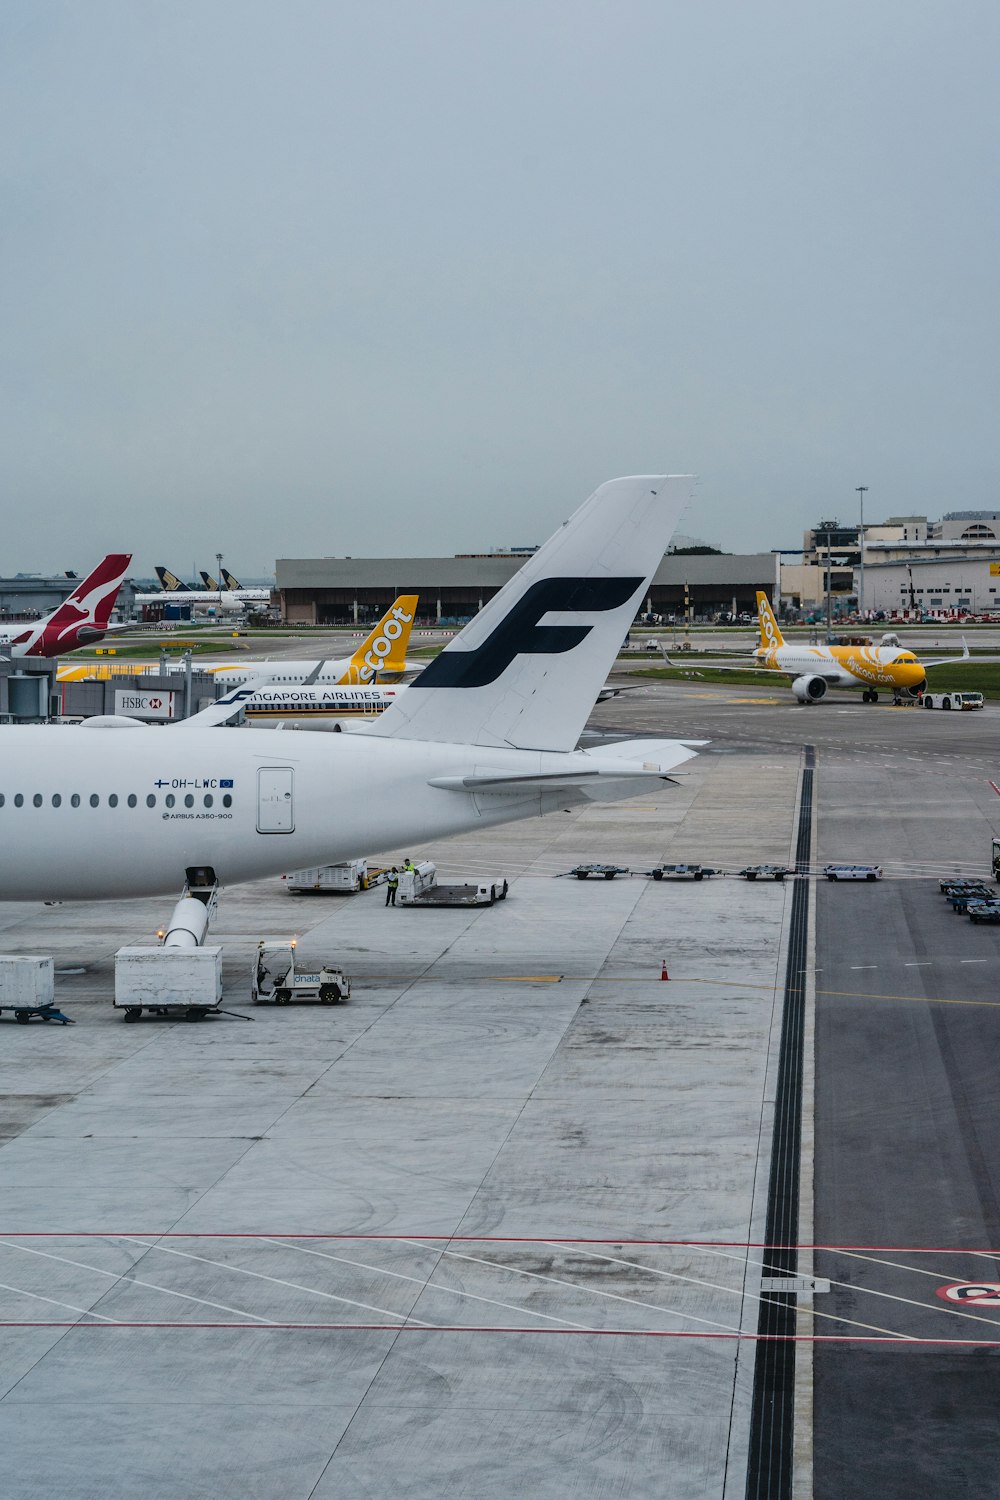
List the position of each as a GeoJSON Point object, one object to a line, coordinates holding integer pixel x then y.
{"type": "Point", "coordinates": [275, 804]}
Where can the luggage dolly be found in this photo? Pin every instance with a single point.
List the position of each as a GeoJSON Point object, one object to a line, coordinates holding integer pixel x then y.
{"type": "Point", "coordinates": [50, 1012]}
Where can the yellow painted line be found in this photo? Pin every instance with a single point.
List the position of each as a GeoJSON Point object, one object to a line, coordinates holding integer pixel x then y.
{"type": "Point", "coordinates": [526, 979]}
{"type": "Point", "coordinates": [923, 999]}
{"type": "Point", "coordinates": [675, 979]}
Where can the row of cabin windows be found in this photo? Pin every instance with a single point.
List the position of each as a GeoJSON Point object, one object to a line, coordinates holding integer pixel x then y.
{"type": "Point", "coordinates": [113, 799]}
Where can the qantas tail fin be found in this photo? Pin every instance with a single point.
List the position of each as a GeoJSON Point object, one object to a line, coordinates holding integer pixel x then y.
{"type": "Point", "coordinates": [170, 583]}
{"type": "Point", "coordinates": [527, 670]}
{"type": "Point", "coordinates": [229, 582]}
{"type": "Point", "coordinates": [384, 649]}
{"type": "Point", "coordinates": [83, 616]}
{"type": "Point", "coordinates": [770, 635]}
{"type": "Point", "coordinates": [209, 582]}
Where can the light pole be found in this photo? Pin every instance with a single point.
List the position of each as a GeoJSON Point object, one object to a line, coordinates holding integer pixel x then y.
{"type": "Point", "coordinates": [862, 490]}
{"type": "Point", "coordinates": [218, 568]}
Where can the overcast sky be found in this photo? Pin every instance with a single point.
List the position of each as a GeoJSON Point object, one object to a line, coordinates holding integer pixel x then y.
{"type": "Point", "coordinates": [411, 276]}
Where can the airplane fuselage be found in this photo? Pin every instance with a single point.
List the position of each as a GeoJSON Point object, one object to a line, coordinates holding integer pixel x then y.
{"type": "Point", "coordinates": [846, 666]}
{"type": "Point", "coordinates": [101, 813]}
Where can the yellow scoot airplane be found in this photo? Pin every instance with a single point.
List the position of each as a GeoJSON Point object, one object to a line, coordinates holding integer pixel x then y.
{"type": "Point", "coordinates": [382, 650]}
{"type": "Point", "coordinates": [813, 669]}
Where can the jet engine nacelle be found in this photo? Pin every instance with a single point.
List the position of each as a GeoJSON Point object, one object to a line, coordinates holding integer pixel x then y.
{"type": "Point", "coordinates": [809, 689]}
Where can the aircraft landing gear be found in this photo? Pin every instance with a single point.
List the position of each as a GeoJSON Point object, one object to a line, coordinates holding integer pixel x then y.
{"type": "Point", "coordinates": [870, 695]}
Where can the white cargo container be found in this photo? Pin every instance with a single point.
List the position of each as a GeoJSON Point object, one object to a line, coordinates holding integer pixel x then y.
{"type": "Point", "coordinates": [168, 979]}
{"type": "Point", "coordinates": [351, 876]}
{"type": "Point", "coordinates": [26, 979]}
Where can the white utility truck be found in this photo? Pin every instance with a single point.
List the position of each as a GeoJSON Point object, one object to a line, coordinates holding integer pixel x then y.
{"type": "Point", "coordinates": [275, 979]}
{"type": "Point", "coordinates": [953, 700]}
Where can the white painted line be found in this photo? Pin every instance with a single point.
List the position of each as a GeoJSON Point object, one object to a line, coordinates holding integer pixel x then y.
{"type": "Point", "coordinates": [864, 966]}
{"type": "Point", "coordinates": [973, 960]}
{"type": "Point", "coordinates": [592, 1291]}
{"type": "Point", "coordinates": [54, 1302]}
{"type": "Point", "coordinates": [740, 1291]}
{"type": "Point", "coordinates": [921, 1271]}
{"type": "Point", "coordinates": [277, 1281]}
{"type": "Point", "coordinates": [425, 1284]}
{"type": "Point", "coordinates": [920, 963]}
{"type": "Point", "coordinates": [151, 1286]}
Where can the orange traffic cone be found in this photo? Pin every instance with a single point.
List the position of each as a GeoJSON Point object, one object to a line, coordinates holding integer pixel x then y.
{"type": "Point", "coordinates": [663, 971]}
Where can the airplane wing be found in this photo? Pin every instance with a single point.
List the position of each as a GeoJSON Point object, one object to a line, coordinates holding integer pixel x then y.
{"type": "Point", "coordinates": [613, 692]}
{"type": "Point", "coordinates": [743, 665]}
{"type": "Point", "coordinates": [966, 656]}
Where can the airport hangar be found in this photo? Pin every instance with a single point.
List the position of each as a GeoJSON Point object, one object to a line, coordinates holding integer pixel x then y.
{"type": "Point", "coordinates": [354, 590]}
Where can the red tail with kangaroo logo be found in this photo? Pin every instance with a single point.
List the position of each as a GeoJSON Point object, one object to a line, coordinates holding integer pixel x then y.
{"type": "Point", "coordinates": [81, 619]}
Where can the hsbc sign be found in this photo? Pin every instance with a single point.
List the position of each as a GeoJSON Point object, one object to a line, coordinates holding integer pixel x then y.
{"type": "Point", "coordinates": [152, 705]}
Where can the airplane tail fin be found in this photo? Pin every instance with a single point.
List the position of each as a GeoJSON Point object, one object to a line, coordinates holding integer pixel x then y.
{"type": "Point", "coordinates": [229, 582]}
{"type": "Point", "coordinates": [770, 635]}
{"type": "Point", "coordinates": [209, 582]}
{"type": "Point", "coordinates": [527, 670]}
{"type": "Point", "coordinates": [170, 583]}
{"type": "Point", "coordinates": [384, 648]}
{"type": "Point", "coordinates": [83, 616]}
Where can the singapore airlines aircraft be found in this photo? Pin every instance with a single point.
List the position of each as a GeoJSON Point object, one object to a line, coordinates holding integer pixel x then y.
{"type": "Point", "coordinates": [485, 735]}
{"type": "Point", "coordinates": [80, 620]}
{"type": "Point", "coordinates": [306, 707]}
{"type": "Point", "coordinates": [815, 668]}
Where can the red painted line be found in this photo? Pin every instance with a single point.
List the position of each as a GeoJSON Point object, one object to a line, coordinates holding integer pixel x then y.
{"type": "Point", "coordinates": [474, 1239]}
{"type": "Point", "coordinates": [650, 1333]}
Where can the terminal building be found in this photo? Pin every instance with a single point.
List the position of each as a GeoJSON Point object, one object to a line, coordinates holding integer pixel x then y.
{"type": "Point", "coordinates": [911, 564]}
{"type": "Point", "coordinates": [28, 596]}
{"type": "Point", "coordinates": [355, 590]}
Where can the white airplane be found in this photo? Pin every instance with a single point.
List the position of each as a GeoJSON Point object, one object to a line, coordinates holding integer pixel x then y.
{"type": "Point", "coordinates": [80, 620]}
{"type": "Point", "coordinates": [382, 650]}
{"type": "Point", "coordinates": [174, 591]}
{"type": "Point", "coordinates": [485, 735]}
{"type": "Point", "coordinates": [815, 668]}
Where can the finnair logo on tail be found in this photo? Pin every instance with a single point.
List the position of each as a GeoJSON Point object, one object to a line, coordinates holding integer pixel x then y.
{"type": "Point", "coordinates": [520, 634]}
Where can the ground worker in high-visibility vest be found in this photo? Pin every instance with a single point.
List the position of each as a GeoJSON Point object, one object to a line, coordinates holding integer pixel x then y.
{"type": "Point", "coordinates": [391, 887]}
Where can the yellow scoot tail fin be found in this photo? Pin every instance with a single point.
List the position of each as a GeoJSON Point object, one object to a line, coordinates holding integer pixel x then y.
{"type": "Point", "coordinates": [770, 635]}
{"type": "Point", "coordinates": [384, 650]}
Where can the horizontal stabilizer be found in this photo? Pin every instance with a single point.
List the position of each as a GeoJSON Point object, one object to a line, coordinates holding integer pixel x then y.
{"type": "Point", "coordinates": [593, 773]}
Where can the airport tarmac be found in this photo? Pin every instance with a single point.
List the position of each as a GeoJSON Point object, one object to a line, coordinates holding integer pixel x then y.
{"type": "Point", "coordinates": [495, 1227]}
